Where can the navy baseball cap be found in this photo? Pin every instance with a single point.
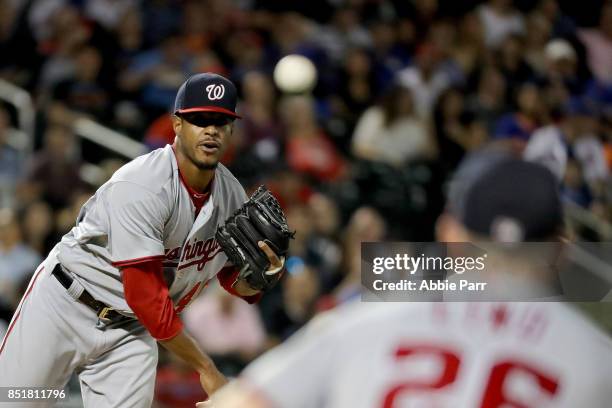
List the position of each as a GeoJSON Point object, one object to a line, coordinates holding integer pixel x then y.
{"type": "Point", "coordinates": [207, 92]}
{"type": "Point", "coordinates": [505, 198]}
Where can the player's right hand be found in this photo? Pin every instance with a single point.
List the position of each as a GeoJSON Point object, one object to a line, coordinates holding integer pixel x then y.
{"type": "Point", "coordinates": [236, 394]}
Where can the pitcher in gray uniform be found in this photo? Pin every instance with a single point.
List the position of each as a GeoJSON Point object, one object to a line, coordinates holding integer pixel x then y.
{"type": "Point", "coordinates": [142, 248]}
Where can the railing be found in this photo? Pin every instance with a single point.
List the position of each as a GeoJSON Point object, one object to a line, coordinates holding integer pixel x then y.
{"type": "Point", "coordinates": [85, 128]}
{"type": "Point", "coordinates": [108, 138]}
{"type": "Point", "coordinates": [22, 101]}
{"type": "Point", "coordinates": [577, 215]}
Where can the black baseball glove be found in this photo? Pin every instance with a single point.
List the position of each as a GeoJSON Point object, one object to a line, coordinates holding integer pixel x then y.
{"type": "Point", "coordinates": [259, 219]}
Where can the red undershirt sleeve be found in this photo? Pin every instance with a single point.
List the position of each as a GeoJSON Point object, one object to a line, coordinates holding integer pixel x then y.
{"type": "Point", "coordinates": [227, 276]}
{"type": "Point", "coordinates": [147, 294]}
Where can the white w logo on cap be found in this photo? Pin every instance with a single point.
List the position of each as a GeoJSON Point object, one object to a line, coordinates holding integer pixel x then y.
{"type": "Point", "coordinates": [215, 91]}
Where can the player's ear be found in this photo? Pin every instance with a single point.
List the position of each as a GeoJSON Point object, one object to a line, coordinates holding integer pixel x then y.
{"type": "Point", "coordinates": [177, 124]}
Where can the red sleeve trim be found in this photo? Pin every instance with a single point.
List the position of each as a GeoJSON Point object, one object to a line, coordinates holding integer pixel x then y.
{"type": "Point", "coordinates": [227, 276]}
{"type": "Point", "coordinates": [171, 336]}
{"type": "Point", "coordinates": [147, 295]}
{"type": "Point", "coordinates": [135, 261]}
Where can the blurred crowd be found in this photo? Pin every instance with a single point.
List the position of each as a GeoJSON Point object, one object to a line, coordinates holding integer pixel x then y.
{"type": "Point", "coordinates": [405, 90]}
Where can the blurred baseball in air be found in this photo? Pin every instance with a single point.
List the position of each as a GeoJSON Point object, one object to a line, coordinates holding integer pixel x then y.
{"type": "Point", "coordinates": [295, 74]}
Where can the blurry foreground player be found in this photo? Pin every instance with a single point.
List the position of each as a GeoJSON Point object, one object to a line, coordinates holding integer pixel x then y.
{"type": "Point", "coordinates": [392, 355]}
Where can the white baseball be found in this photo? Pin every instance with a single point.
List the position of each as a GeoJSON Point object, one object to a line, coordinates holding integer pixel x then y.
{"type": "Point", "coordinates": [295, 74]}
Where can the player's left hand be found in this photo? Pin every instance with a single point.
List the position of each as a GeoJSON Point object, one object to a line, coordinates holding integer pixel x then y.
{"type": "Point", "coordinates": [261, 218]}
{"type": "Point", "coordinates": [276, 263]}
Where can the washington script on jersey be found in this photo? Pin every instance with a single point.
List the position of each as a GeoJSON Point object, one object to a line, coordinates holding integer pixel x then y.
{"type": "Point", "coordinates": [204, 251]}
{"type": "Point", "coordinates": [429, 285]}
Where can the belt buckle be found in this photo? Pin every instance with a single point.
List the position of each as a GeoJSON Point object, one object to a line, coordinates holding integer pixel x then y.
{"type": "Point", "coordinates": [106, 310]}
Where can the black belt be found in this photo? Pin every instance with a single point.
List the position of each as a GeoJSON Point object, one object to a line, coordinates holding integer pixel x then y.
{"type": "Point", "coordinates": [102, 310]}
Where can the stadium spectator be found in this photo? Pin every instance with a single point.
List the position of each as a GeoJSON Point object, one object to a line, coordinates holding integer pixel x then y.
{"type": "Point", "coordinates": [427, 78]}
{"type": "Point", "coordinates": [11, 160]}
{"type": "Point", "coordinates": [365, 225]}
{"type": "Point", "coordinates": [161, 18]}
{"type": "Point", "coordinates": [488, 102]}
{"type": "Point", "coordinates": [392, 132]}
{"type": "Point", "coordinates": [294, 34]}
{"type": "Point", "coordinates": [323, 249]}
{"type": "Point", "coordinates": [64, 218]}
{"type": "Point", "coordinates": [300, 290]}
{"type": "Point", "coordinates": [15, 36]}
{"type": "Point", "coordinates": [598, 42]}
{"type": "Point", "coordinates": [53, 173]}
{"type": "Point", "coordinates": [343, 33]}
{"type": "Point", "coordinates": [500, 20]}
{"type": "Point", "coordinates": [83, 93]}
{"type": "Point", "coordinates": [389, 54]}
{"type": "Point", "coordinates": [38, 225]}
{"type": "Point", "coordinates": [299, 217]}
{"type": "Point", "coordinates": [156, 74]}
{"type": "Point", "coordinates": [449, 128]}
{"type": "Point", "coordinates": [262, 135]}
{"type": "Point", "coordinates": [17, 259]}
{"type": "Point", "coordinates": [248, 51]}
{"type": "Point", "coordinates": [356, 90]}
{"type": "Point", "coordinates": [574, 189]}
{"type": "Point", "coordinates": [108, 13]}
{"type": "Point", "coordinates": [177, 385]}
{"type": "Point", "coordinates": [511, 59]}
{"type": "Point", "coordinates": [423, 13]}
{"type": "Point", "coordinates": [229, 329]}
{"type": "Point", "coordinates": [573, 138]}
{"type": "Point", "coordinates": [587, 147]}
{"type": "Point", "coordinates": [67, 34]}
{"type": "Point", "coordinates": [129, 36]}
{"type": "Point", "coordinates": [519, 125]}
{"type": "Point", "coordinates": [469, 49]}
{"type": "Point", "coordinates": [160, 132]}
{"type": "Point", "coordinates": [308, 148]}
{"type": "Point", "coordinates": [562, 25]}
{"type": "Point", "coordinates": [561, 73]}
{"type": "Point", "coordinates": [536, 39]}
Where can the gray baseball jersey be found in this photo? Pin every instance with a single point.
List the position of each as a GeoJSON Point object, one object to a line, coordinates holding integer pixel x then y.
{"type": "Point", "coordinates": [144, 212]}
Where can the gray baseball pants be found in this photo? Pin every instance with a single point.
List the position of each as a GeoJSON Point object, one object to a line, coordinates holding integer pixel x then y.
{"type": "Point", "coordinates": [53, 335]}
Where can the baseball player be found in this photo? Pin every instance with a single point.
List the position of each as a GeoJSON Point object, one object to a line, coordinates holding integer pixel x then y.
{"type": "Point", "coordinates": [478, 354]}
{"type": "Point", "coordinates": [142, 248]}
